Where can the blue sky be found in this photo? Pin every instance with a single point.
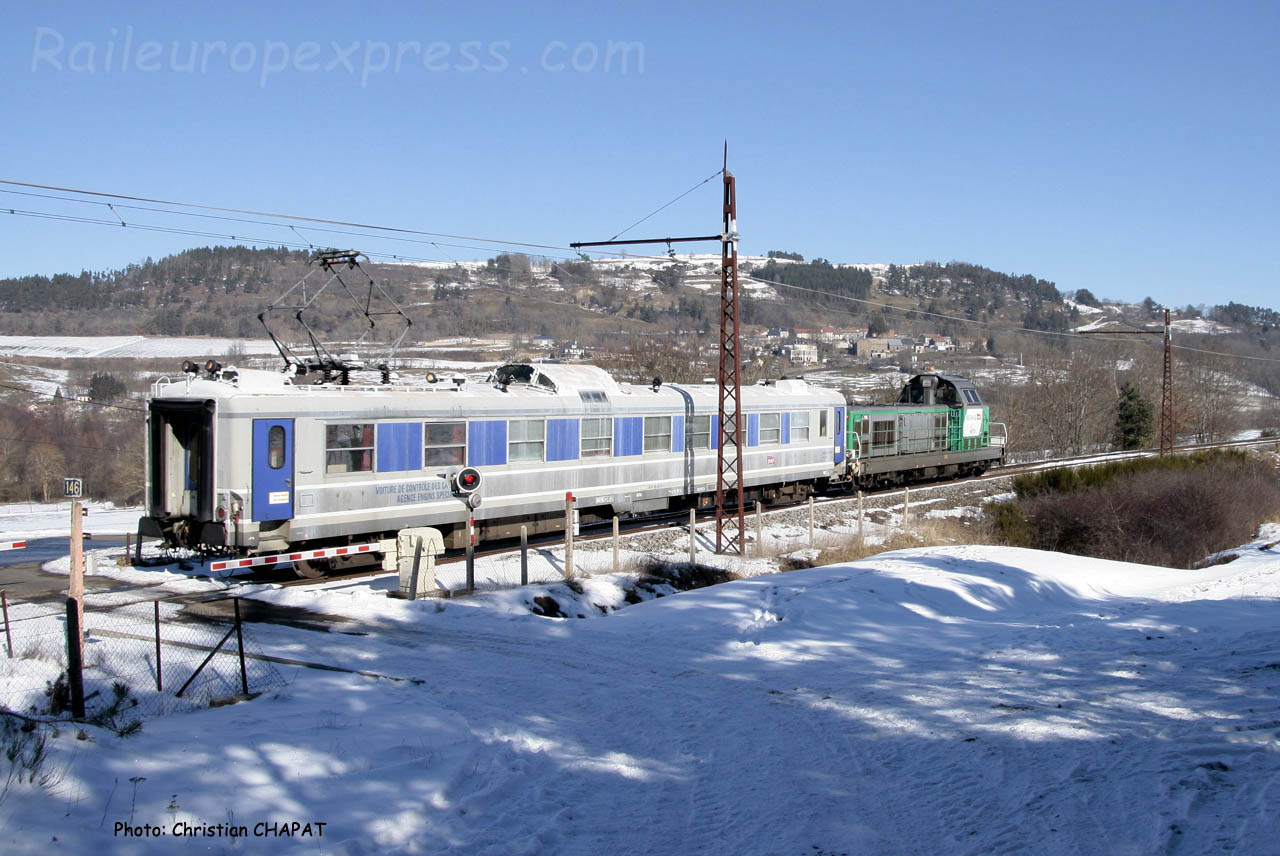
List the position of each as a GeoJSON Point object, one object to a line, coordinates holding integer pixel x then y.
{"type": "Point", "coordinates": [1127, 148]}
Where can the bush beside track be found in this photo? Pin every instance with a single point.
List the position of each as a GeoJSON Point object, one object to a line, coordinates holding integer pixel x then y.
{"type": "Point", "coordinates": [1170, 511]}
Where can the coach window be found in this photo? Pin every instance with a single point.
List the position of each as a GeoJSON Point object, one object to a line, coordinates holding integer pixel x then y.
{"type": "Point", "coordinates": [822, 423]}
{"type": "Point", "coordinates": [657, 433]}
{"type": "Point", "coordinates": [800, 426]}
{"type": "Point", "coordinates": [348, 448]}
{"type": "Point", "coordinates": [526, 439]}
{"type": "Point", "coordinates": [770, 428]}
{"type": "Point", "coordinates": [444, 444]}
{"type": "Point", "coordinates": [275, 447]}
{"type": "Point", "coordinates": [597, 438]}
{"type": "Point", "coordinates": [699, 432]}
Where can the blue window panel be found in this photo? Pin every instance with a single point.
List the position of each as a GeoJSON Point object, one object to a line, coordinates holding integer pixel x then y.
{"type": "Point", "coordinates": [487, 443]}
{"type": "Point", "coordinates": [715, 431]}
{"type": "Point", "coordinates": [399, 446]}
{"type": "Point", "coordinates": [562, 439]}
{"type": "Point", "coordinates": [628, 436]}
{"type": "Point", "coordinates": [786, 427]}
{"type": "Point", "coordinates": [753, 429]}
{"type": "Point", "coordinates": [677, 433]}
{"type": "Point", "coordinates": [839, 434]}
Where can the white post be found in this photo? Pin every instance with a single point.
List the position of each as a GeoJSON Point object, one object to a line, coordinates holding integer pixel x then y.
{"type": "Point", "coordinates": [759, 528]}
{"type": "Point", "coordinates": [810, 521]}
{"type": "Point", "coordinates": [568, 535]}
{"type": "Point", "coordinates": [693, 536]}
{"type": "Point", "coordinates": [906, 508]}
{"type": "Point", "coordinates": [859, 520]}
{"type": "Point", "coordinates": [615, 544]}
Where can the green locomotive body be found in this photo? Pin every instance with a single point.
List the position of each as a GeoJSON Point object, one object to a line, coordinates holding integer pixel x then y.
{"type": "Point", "coordinates": [938, 428]}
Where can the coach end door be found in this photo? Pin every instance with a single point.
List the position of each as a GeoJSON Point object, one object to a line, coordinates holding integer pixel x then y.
{"type": "Point", "coordinates": [272, 469]}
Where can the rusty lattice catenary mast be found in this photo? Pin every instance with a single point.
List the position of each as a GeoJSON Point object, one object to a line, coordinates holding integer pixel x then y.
{"type": "Point", "coordinates": [730, 523]}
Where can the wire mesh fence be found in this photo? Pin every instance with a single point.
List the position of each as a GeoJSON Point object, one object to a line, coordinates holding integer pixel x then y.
{"type": "Point", "coordinates": [139, 660]}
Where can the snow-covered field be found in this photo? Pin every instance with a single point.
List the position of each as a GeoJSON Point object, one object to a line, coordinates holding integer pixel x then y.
{"type": "Point", "coordinates": [944, 700]}
{"type": "Point", "coordinates": [136, 347]}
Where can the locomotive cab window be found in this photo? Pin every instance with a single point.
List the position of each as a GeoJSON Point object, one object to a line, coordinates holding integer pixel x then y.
{"type": "Point", "coordinates": [444, 444]}
{"type": "Point", "coordinates": [770, 428]}
{"type": "Point", "coordinates": [657, 433]}
{"type": "Point", "coordinates": [883, 433]}
{"type": "Point", "coordinates": [699, 432]}
{"type": "Point", "coordinates": [597, 437]}
{"type": "Point", "coordinates": [275, 447]}
{"type": "Point", "coordinates": [348, 448]}
{"type": "Point", "coordinates": [971, 396]}
{"type": "Point", "coordinates": [526, 439]}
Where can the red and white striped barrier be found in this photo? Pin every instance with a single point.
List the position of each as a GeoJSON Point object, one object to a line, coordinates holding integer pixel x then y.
{"type": "Point", "coordinates": [290, 558]}
{"type": "Point", "coordinates": [12, 545]}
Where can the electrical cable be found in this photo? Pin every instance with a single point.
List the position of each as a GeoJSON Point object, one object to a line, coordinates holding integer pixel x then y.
{"type": "Point", "coordinates": [275, 242]}
{"type": "Point", "coordinates": [668, 205]}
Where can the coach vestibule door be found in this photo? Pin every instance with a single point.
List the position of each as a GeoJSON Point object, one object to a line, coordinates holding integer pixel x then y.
{"type": "Point", "coordinates": [272, 469]}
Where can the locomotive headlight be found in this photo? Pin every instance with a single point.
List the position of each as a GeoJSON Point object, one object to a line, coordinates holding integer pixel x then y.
{"type": "Point", "coordinates": [212, 366]}
{"type": "Point", "coordinates": [188, 367]}
{"type": "Point", "coordinates": [466, 481]}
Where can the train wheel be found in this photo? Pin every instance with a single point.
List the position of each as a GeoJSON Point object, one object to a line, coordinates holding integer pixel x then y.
{"type": "Point", "coordinates": [312, 568]}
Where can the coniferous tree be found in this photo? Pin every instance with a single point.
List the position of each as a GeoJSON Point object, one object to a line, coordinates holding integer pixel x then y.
{"type": "Point", "coordinates": [1134, 421]}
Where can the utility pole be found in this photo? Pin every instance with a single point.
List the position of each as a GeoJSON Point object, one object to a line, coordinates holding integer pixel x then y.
{"type": "Point", "coordinates": [729, 380]}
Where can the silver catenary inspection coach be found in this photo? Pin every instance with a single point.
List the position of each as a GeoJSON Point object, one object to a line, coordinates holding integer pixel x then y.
{"type": "Point", "coordinates": [248, 461]}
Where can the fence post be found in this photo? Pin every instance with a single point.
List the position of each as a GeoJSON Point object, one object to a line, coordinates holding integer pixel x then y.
{"type": "Point", "coordinates": [524, 555]}
{"type": "Point", "coordinates": [906, 507]}
{"type": "Point", "coordinates": [810, 521]}
{"type": "Point", "coordinates": [75, 658]}
{"type": "Point", "coordinates": [615, 543]}
{"type": "Point", "coordinates": [159, 678]}
{"type": "Point", "coordinates": [568, 535]}
{"type": "Point", "coordinates": [859, 520]}
{"type": "Point", "coordinates": [244, 675]}
{"type": "Point", "coordinates": [693, 536]}
{"type": "Point", "coordinates": [8, 637]}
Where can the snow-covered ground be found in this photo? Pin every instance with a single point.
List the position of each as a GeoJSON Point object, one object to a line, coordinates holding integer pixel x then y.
{"type": "Point", "coordinates": [943, 700]}
{"type": "Point", "coordinates": [137, 347]}
{"type": "Point", "coordinates": [36, 520]}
